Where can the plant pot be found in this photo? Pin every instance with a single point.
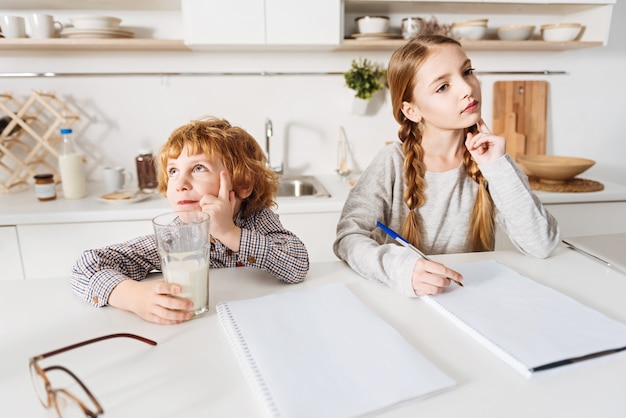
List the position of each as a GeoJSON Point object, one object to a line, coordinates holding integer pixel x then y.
{"type": "Point", "coordinates": [359, 106]}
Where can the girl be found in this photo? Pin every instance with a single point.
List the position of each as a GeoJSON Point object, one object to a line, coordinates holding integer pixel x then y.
{"type": "Point", "coordinates": [217, 168]}
{"type": "Point", "coordinates": [445, 185]}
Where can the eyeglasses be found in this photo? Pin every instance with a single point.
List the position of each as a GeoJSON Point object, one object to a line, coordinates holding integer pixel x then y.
{"type": "Point", "coordinates": [66, 403]}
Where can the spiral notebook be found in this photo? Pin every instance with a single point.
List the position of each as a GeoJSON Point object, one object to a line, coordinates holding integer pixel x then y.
{"type": "Point", "coordinates": [530, 326]}
{"type": "Point", "coordinates": [324, 353]}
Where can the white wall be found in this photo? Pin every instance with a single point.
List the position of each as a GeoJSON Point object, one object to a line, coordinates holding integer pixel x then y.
{"type": "Point", "coordinates": [120, 115]}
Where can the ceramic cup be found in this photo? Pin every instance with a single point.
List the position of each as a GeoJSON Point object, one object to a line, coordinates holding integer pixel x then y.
{"type": "Point", "coordinates": [116, 178]}
{"type": "Point", "coordinates": [184, 245]}
{"type": "Point", "coordinates": [13, 26]}
{"type": "Point", "coordinates": [43, 26]}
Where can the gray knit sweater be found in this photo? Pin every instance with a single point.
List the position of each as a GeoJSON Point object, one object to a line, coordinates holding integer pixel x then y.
{"type": "Point", "coordinates": [450, 196]}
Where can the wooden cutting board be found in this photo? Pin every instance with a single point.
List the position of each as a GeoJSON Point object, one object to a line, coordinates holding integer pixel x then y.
{"type": "Point", "coordinates": [528, 101]}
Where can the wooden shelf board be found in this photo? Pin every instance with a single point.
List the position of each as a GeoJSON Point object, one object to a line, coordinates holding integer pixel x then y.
{"type": "Point", "coordinates": [143, 44]}
{"type": "Point", "coordinates": [486, 45]}
{"type": "Point", "coordinates": [112, 44]}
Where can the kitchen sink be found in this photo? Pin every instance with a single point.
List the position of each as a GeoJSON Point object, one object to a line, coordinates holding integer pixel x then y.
{"type": "Point", "coordinates": [301, 187]}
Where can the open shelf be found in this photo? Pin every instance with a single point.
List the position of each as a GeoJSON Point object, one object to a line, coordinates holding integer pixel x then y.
{"type": "Point", "coordinates": [486, 45]}
{"type": "Point", "coordinates": [78, 44]}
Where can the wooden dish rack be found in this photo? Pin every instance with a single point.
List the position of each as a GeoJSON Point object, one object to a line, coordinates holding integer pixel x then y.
{"type": "Point", "coordinates": [28, 143]}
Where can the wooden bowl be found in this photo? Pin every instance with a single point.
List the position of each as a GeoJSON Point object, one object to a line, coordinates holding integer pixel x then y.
{"type": "Point", "coordinates": [553, 168]}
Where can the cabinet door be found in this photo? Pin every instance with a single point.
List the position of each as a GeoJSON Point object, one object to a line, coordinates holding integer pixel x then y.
{"type": "Point", "coordinates": [232, 22]}
{"type": "Point", "coordinates": [290, 22]}
{"type": "Point", "coordinates": [580, 219]}
{"type": "Point", "coordinates": [10, 260]}
{"type": "Point", "coordinates": [316, 230]}
{"type": "Point", "coordinates": [51, 250]}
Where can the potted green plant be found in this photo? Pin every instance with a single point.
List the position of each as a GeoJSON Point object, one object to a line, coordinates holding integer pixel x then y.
{"type": "Point", "coordinates": [366, 78]}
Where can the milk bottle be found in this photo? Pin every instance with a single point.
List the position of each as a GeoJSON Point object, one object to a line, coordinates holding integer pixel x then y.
{"type": "Point", "coordinates": [72, 167]}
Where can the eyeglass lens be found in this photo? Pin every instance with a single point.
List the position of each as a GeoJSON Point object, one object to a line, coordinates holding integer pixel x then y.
{"type": "Point", "coordinates": [65, 403]}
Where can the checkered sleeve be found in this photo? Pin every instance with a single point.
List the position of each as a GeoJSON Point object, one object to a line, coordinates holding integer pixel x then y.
{"type": "Point", "coordinates": [96, 273]}
{"type": "Point", "coordinates": [267, 245]}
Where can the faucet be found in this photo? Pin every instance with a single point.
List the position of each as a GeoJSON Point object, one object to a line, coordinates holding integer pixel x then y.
{"type": "Point", "coordinates": [269, 132]}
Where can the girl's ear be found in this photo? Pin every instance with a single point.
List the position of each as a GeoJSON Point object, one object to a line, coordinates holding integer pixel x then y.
{"type": "Point", "coordinates": [411, 112]}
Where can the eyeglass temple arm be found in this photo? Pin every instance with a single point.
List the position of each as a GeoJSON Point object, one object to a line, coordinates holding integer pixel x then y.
{"type": "Point", "coordinates": [94, 340]}
{"type": "Point", "coordinates": [82, 385]}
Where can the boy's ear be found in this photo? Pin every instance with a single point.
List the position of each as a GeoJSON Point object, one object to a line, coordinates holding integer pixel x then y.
{"type": "Point", "coordinates": [411, 112]}
{"type": "Point", "coordinates": [244, 192]}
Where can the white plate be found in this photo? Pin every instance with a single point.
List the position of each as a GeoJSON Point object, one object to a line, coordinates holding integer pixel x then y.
{"type": "Point", "coordinates": [137, 198]}
{"type": "Point", "coordinates": [96, 33]}
{"type": "Point", "coordinates": [375, 36]}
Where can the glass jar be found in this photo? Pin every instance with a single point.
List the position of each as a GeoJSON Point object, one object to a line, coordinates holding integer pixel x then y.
{"type": "Point", "coordinates": [45, 189]}
{"type": "Point", "coordinates": [146, 171]}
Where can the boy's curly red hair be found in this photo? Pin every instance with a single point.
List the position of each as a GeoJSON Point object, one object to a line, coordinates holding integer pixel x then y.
{"type": "Point", "coordinates": [239, 151]}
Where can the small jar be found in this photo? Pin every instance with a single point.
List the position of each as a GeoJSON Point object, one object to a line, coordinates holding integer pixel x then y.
{"type": "Point", "coordinates": [146, 171]}
{"type": "Point", "coordinates": [45, 189]}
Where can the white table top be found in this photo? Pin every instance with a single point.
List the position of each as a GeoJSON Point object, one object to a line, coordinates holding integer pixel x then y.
{"type": "Point", "coordinates": [192, 372]}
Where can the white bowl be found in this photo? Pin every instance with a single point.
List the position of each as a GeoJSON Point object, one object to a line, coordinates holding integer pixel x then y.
{"type": "Point", "coordinates": [95, 22]}
{"type": "Point", "coordinates": [472, 22]}
{"type": "Point", "coordinates": [515, 33]}
{"type": "Point", "coordinates": [560, 32]}
{"type": "Point", "coordinates": [468, 32]}
{"type": "Point", "coordinates": [372, 24]}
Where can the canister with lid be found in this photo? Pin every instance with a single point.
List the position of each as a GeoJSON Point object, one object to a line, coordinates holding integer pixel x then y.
{"type": "Point", "coordinates": [146, 171]}
{"type": "Point", "coordinates": [44, 187]}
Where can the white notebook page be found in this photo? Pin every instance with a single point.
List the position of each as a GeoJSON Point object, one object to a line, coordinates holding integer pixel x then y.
{"type": "Point", "coordinates": [523, 322]}
{"type": "Point", "coordinates": [324, 353]}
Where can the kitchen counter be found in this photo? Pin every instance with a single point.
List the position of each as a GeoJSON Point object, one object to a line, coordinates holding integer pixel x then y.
{"type": "Point", "coordinates": [193, 372]}
{"type": "Point", "coordinates": [23, 208]}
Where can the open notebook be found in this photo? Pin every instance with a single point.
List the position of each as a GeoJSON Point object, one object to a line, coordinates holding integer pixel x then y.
{"type": "Point", "coordinates": [324, 353]}
{"type": "Point", "coordinates": [609, 249]}
{"type": "Point", "coordinates": [530, 326]}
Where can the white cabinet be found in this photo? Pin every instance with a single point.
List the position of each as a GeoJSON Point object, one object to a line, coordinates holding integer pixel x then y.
{"type": "Point", "coordinates": [51, 250]}
{"type": "Point", "coordinates": [316, 230]}
{"type": "Point", "coordinates": [262, 23]}
{"type": "Point", "coordinates": [589, 218]}
{"type": "Point", "coordinates": [10, 261]}
{"type": "Point", "coordinates": [581, 219]}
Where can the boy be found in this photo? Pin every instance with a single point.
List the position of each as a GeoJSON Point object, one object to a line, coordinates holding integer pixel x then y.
{"type": "Point", "coordinates": [217, 168]}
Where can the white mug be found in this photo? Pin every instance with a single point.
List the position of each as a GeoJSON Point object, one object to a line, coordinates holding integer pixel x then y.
{"type": "Point", "coordinates": [116, 178]}
{"type": "Point", "coordinates": [12, 26]}
{"type": "Point", "coordinates": [44, 26]}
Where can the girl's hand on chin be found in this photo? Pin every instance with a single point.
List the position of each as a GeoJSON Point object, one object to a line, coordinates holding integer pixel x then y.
{"type": "Point", "coordinates": [485, 146]}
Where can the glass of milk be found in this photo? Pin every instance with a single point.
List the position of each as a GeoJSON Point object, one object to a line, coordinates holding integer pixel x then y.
{"type": "Point", "coordinates": [184, 245]}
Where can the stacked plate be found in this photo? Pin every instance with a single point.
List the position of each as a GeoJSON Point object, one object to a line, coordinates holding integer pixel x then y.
{"type": "Point", "coordinates": [96, 33]}
{"type": "Point", "coordinates": [375, 36]}
{"type": "Point", "coordinates": [94, 26]}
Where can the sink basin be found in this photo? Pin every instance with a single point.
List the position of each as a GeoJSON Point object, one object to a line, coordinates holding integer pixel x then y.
{"type": "Point", "coordinates": [301, 187]}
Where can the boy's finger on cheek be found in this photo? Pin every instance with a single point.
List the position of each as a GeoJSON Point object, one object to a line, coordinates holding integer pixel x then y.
{"type": "Point", "coordinates": [225, 185]}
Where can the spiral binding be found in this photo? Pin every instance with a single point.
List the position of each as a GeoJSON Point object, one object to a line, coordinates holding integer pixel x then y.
{"type": "Point", "coordinates": [246, 360]}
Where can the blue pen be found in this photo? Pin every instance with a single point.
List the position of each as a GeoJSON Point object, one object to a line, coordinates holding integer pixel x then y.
{"type": "Point", "coordinates": [398, 238]}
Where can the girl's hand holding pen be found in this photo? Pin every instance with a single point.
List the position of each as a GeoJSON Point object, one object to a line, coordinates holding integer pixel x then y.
{"type": "Point", "coordinates": [485, 146]}
{"type": "Point", "coordinates": [430, 277]}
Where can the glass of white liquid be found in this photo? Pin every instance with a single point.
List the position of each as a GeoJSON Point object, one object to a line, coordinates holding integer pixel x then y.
{"type": "Point", "coordinates": [184, 245]}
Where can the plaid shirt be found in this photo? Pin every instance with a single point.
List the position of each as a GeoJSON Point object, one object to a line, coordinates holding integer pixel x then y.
{"type": "Point", "coordinates": [265, 244]}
